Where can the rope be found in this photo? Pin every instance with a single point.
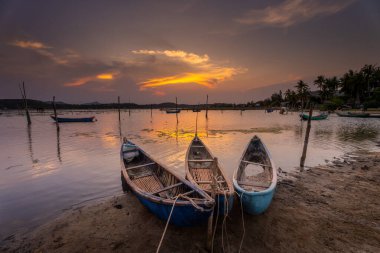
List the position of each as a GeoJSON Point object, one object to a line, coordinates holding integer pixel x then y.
{"type": "Point", "coordinates": [216, 223]}
{"type": "Point", "coordinates": [195, 204]}
{"type": "Point", "coordinates": [242, 218]}
{"type": "Point", "coordinates": [167, 223]}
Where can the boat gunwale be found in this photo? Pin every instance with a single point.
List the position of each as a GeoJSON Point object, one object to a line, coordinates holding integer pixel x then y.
{"type": "Point", "coordinates": [206, 201]}
{"type": "Point", "coordinates": [191, 178]}
{"type": "Point", "coordinates": [273, 184]}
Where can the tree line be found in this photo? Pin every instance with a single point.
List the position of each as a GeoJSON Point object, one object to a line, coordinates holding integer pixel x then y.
{"type": "Point", "coordinates": [355, 89]}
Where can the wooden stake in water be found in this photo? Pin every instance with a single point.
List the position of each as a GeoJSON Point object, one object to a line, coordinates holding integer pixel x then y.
{"type": "Point", "coordinates": [214, 187]}
{"type": "Point", "coordinates": [55, 113]}
{"type": "Point", "coordinates": [129, 111]}
{"type": "Point", "coordinates": [118, 106]}
{"type": "Point", "coordinates": [23, 94]}
{"type": "Point", "coordinates": [303, 157]}
{"type": "Point", "coordinates": [207, 106]}
{"type": "Point", "coordinates": [176, 108]}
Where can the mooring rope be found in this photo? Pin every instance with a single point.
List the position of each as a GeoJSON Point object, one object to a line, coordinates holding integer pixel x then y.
{"type": "Point", "coordinates": [167, 223]}
{"type": "Point", "coordinates": [242, 218]}
{"type": "Point", "coordinates": [216, 224]}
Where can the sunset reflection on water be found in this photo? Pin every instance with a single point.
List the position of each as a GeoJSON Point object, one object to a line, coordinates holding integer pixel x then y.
{"type": "Point", "coordinates": [44, 171]}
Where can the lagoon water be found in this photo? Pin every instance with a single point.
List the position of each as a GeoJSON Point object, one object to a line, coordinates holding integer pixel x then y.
{"type": "Point", "coordinates": [44, 172]}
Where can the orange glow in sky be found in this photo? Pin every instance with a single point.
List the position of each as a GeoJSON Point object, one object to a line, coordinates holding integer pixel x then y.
{"type": "Point", "coordinates": [105, 76]}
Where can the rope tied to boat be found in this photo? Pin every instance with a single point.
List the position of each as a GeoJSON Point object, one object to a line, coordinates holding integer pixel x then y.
{"type": "Point", "coordinates": [167, 223]}
{"type": "Point", "coordinates": [242, 218]}
{"type": "Point", "coordinates": [195, 205]}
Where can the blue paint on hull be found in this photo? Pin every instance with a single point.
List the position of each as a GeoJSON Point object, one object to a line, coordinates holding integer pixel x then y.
{"type": "Point", "coordinates": [182, 215]}
{"type": "Point", "coordinates": [255, 202]}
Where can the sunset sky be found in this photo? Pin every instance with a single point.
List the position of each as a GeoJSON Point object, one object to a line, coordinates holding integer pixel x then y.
{"type": "Point", "coordinates": [152, 51]}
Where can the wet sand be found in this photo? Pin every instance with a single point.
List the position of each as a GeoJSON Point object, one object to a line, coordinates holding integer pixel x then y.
{"type": "Point", "coordinates": [329, 208]}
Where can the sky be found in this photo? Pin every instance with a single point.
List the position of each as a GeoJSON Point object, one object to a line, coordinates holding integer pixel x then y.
{"type": "Point", "coordinates": [153, 51]}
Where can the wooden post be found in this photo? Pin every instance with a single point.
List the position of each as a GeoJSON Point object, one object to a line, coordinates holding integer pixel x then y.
{"type": "Point", "coordinates": [176, 108]}
{"type": "Point", "coordinates": [207, 107]}
{"type": "Point", "coordinates": [55, 113]}
{"type": "Point", "coordinates": [303, 157]}
{"type": "Point", "coordinates": [213, 194]}
{"type": "Point", "coordinates": [118, 106]}
{"type": "Point", "coordinates": [129, 111]}
{"type": "Point", "coordinates": [23, 94]}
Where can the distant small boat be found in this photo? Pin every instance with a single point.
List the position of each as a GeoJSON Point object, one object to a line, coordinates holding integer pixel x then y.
{"type": "Point", "coordinates": [63, 120]}
{"type": "Point", "coordinates": [255, 179]}
{"type": "Point", "coordinates": [158, 189]}
{"type": "Point", "coordinates": [172, 110]}
{"type": "Point", "coordinates": [353, 114]}
{"type": "Point", "coordinates": [198, 167]}
{"type": "Point", "coordinates": [316, 117]}
{"type": "Point", "coordinates": [196, 110]}
{"type": "Point", "coordinates": [269, 110]}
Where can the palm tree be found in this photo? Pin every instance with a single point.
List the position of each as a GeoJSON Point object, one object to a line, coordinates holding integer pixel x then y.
{"type": "Point", "coordinates": [302, 91]}
{"type": "Point", "coordinates": [320, 81]}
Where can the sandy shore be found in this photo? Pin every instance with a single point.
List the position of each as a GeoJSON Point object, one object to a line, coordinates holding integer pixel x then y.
{"type": "Point", "coordinates": [329, 208]}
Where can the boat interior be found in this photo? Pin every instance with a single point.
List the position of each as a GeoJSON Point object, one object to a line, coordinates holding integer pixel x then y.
{"type": "Point", "coordinates": [200, 164]}
{"type": "Point", "coordinates": [255, 169]}
{"type": "Point", "coordinates": [150, 177]}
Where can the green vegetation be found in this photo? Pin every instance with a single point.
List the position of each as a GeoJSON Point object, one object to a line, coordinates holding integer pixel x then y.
{"type": "Point", "coordinates": [355, 89]}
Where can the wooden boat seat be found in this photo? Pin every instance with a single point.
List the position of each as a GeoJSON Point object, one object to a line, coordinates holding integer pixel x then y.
{"type": "Point", "coordinates": [139, 166]}
{"type": "Point", "coordinates": [265, 184]}
{"type": "Point", "coordinates": [167, 188]}
{"type": "Point", "coordinates": [201, 160]}
{"type": "Point", "coordinates": [260, 164]}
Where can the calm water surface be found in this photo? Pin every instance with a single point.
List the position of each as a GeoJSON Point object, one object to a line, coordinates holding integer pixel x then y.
{"type": "Point", "coordinates": [44, 172]}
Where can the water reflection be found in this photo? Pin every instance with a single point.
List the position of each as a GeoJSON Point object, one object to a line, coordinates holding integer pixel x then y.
{"type": "Point", "coordinates": [59, 145]}
{"type": "Point", "coordinates": [88, 154]}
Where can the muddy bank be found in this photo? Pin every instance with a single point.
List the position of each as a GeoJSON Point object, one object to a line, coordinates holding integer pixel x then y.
{"type": "Point", "coordinates": [330, 208]}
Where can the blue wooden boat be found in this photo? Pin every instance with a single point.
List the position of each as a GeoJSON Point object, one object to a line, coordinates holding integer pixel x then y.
{"type": "Point", "coordinates": [255, 179]}
{"type": "Point", "coordinates": [158, 189]}
{"type": "Point", "coordinates": [269, 110]}
{"type": "Point", "coordinates": [321, 116]}
{"type": "Point", "coordinates": [199, 170]}
{"type": "Point", "coordinates": [64, 120]}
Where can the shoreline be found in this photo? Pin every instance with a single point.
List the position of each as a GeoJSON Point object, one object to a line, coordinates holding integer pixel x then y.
{"type": "Point", "coordinates": [327, 208]}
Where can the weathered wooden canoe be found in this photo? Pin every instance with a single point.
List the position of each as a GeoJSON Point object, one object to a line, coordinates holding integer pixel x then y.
{"type": "Point", "coordinates": [198, 165]}
{"type": "Point", "coordinates": [62, 120]}
{"type": "Point", "coordinates": [255, 179]}
{"type": "Point", "coordinates": [158, 189]}
{"type": "Point", "coordinates": [353, 114]}
{"type": "Point", "coordinates": [316, 117]}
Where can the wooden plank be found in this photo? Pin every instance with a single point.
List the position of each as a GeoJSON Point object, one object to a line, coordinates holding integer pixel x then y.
{"type": "Point", "coordinates": [255, 184]}
{"type": "Point", "coordinates": [260, 164]}
{"type": "Point", "coordinates": [195, 146]}
{"type": "Point", "coordinates": [209, 182]}
{"type": "Point", "coordinates": [139, 166]}
{"type": "Point", "coordinates": [201, 160]}
{"type": "Point", "coordinates": [167, 188]}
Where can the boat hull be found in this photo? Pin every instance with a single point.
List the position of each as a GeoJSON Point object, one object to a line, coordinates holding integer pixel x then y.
{"type": "Point", "coordinates": [318, 117]}
{"type": "Point", "coordinates": [183, 216]}
{"type": "Point", "coordinates": [70, 120]}
{"type": "Point", "coordinates": [254, 202]}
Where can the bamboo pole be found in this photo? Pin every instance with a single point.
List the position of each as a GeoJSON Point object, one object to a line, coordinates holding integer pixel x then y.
{"type": "Point", "coordinates": [129, 111]}
{"type": "Point", "coordinates": [55, 113]}
{"type": "Point", "coordinates": [176, 108]}
{"type": "Point", "coordinates": [207, 107]}
{"type": "Point", "coordinates": [303, 157]}
{"type": "Point", "coordinates": [213, 194]}
{"type": "Point", "coordinates": [118, 106]}
{"type": "Point", "coordinates": [23, 94]}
